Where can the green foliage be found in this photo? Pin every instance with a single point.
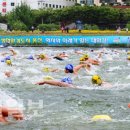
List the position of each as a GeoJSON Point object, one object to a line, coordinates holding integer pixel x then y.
{"type": "Point", "coordinates": [48, 27]}
{"type": "Point", "coordinates": [103, 17]}
{"type": "Point", "coordinates": [128, 25]}
{"type": "Point", "coordinates": [3, 19]}
{"type": "Point", "coordinates": [95, 27]}
{"type": "Point", "coordinates": [18, 25]}
{"type": "Point", "coordinates": [91, 27]}
{"type": "Point", "coordinates": [22, 13]}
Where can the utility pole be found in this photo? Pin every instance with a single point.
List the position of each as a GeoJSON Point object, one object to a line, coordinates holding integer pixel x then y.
{"type": "Point", "coordinates": [40, 2]}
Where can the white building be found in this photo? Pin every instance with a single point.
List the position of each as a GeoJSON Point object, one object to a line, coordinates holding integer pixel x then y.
{"type": "Point", "coordinates": [8, 5]}
{"type": "Point", "coordinates": [97, 2]}
{"type": "Point", "coordinates": [36, 4]}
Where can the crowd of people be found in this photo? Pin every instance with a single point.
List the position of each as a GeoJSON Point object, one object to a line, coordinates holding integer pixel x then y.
{"type": "Point", "coordinates": [87, 62]}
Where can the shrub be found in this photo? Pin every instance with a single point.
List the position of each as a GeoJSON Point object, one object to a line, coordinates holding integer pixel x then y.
{"type": "Point", "coordinates": [91, 27]}
{"type": "Point", "coordinates": [48, 27]}
{"type": "Point", "coordinates": [18, 25]}
{"type": "Point", "coordinates": [87, 27]}
{"type": "Point", "coordinates": [128, 25]}
{"type": "Point", "coordinates": [95, 27]}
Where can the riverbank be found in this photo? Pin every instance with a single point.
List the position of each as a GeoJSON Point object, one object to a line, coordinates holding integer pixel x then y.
{"type": "Point", "coordinates": [71, 32]}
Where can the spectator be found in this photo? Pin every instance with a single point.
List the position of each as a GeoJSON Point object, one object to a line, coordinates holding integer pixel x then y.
{"type": "Point", "coordinates": [118, 30]}
{"type": "Point", "coordinates": [62, 29]}
{"type": "Point", "coordinates": [67, 29]}
{"type": "Point", "coordinates": [32, 29]}
{"type": "Point", "coordinates": [127, 30]}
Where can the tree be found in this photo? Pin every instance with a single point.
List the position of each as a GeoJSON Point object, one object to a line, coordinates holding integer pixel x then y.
{"type": "Point", "coordinates": [22, 13]}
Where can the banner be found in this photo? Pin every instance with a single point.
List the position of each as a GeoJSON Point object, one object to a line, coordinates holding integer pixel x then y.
{"type": "Point", "coordinates": [64, 40]}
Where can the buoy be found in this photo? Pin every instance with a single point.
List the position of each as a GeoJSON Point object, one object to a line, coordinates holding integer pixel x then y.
{"type": "Point", "coordinates": [101, 118]}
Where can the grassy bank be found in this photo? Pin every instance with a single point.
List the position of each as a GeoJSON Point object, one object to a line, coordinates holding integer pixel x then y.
{"type": "Point", "coordinates": [71, 32]}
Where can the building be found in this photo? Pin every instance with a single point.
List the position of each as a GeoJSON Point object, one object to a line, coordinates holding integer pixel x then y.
{"type": "Point", "coordinates": [9, 5]}
{"type": "Point", "coordinates": [97, 2]}
{"type": "Point", "coordinates": [55, 4]}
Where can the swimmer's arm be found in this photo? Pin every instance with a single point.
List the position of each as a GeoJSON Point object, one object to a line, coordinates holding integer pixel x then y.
{"type": "Point", "coordinates": [78, 67]}
{"type": "Point", "coordinates": [95, 62]}
{"type": "Point", "coordinates": [54, 83]}
{"type": "Point", "coordinates": [40, 83]}
{"type": "Point", "coordinates": [54, 70]}
{"type": "Point", "coordinates": [5, 53]}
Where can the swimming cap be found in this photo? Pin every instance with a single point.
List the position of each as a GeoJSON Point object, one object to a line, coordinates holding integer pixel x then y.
{"type": "Point", "coordinates": [7, 58]}
{"type": "Point", "coordinates": [85, 56]}
{"type": "Point", "coordinates": [31, 57]}
{"type": "Point", "coordinates": [128, 58]}
{"type": "Point", "coordinates": [69, 67]}
{"type": "Point", "coordinates": [67, 80]}
{"type": "Point", "coordinates": [46, 69]}
{"type": "Point", "coordinates": [96, 80]}
{"type": "Point", "coordinates": [128, 53]}
{"type": "Point", "coordinates": [82, 58]}
{"type": "Point", "coordinates": [42, 56]}
{"type": "Point", "coordinates": [48, 78]}
{"type": "Point", "coordinates": [2, 60]}
{"type": "Point", "coordinates": [8, 62]}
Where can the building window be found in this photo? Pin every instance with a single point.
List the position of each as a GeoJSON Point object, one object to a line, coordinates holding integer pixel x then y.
{"type": "Point", "coordinates": [46, 5]}
{"type": "Point", "coordinates": [53, 6]}
{"type": "Point", "coordinates": [4, 4]}
{"type": "Point", "coordinates": [56, 6]}
{"type": "Point", "coordinates": [12, 4]}
{"type": "Point", "coordinates": [59, 6]}
{"type": "Point", "coordinates": [50, 5]}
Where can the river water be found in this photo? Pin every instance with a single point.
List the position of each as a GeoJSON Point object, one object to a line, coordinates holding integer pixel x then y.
{"type": "Point", "coordinates": [52, 108]}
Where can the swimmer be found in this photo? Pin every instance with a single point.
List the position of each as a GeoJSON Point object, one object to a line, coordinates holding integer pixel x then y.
{"type": "Point", "coordinates": [47, 69]}
{"type": "Point", "coordinates": [6, 112]}
{"type": "Point", "coordinates": [96, 79]}
{"type": "Point", "coordinates": [4, 53]}
{"type": "Point", "coordinates": [8, 62]}
{"type": "Point", "coordinates": [61, 56]}
{"type": "Point", "coordinates": [13, 52]}
{"type": "Point", "coordinates": [90, 69]}
{"type": "Point", "coordinates": [8, 73]}
{"type": "Point", "coordinates": [86, 59]}
{"type": "Point", "coordinates": [42, 57]}
{"type": "Point", "coordinates": [70, 69]}
{"type": "Point", "coordinates": [65, 82]}
{"type": "Point", "coordinates": [77, 51]}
